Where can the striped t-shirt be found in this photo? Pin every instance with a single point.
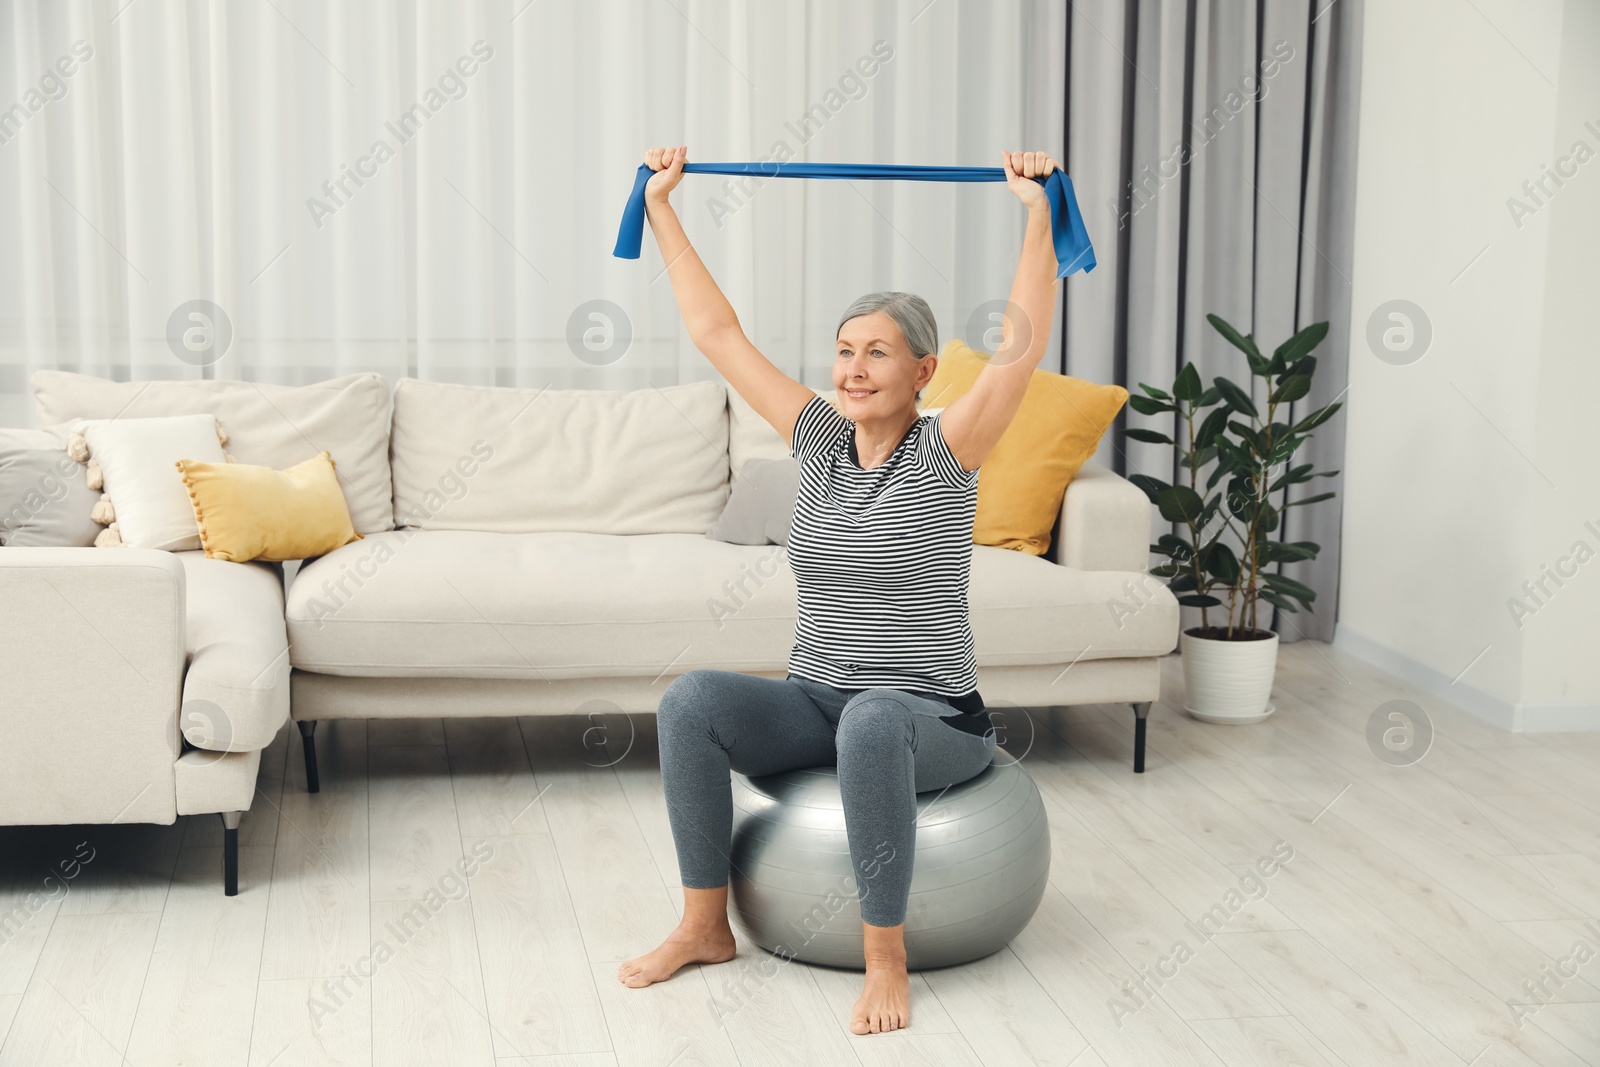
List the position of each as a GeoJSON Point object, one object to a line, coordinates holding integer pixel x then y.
{"type": "Point", "coordinates": [881, 560]}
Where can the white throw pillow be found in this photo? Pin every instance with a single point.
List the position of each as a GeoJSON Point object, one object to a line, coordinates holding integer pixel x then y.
{"type": "Point", "coordinates": [138, 458]}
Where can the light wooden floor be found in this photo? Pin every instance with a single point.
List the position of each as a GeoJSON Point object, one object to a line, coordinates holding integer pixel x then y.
{"type": "Point", "coordinates": [1418, 901]}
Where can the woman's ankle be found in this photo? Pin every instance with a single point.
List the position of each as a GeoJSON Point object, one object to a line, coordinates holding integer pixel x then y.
{"type": "Point", "coordinates": [705, 924]}
{"type": "Point", "coordinates": [884, 946]}
{"type": "Point", "coordinates": [705, 911]}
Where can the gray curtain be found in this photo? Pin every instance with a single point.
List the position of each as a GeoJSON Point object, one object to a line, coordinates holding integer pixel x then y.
{"type": "Point", "coordinates": [1212, 144]}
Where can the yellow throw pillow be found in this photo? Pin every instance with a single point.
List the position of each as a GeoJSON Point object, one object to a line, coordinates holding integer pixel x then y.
{"type": "Point", "coordinates": [248, 512]}
{"type": "Point", "coordinates": [1055, 431]}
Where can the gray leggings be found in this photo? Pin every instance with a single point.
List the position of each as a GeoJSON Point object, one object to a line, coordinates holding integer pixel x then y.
{"type": "Point", "coordinates": [888, 744]}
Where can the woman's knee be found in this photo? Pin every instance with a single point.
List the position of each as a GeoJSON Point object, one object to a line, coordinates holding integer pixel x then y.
{"type": "Point", "coordinates": [702, 696]}
{"type": "Point", "coordinates": [689, 694]}
{"type": "Point", "coordinates": [874, 718]}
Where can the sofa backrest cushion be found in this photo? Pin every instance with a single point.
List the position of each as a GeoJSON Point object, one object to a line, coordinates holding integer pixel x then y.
{"type": "Point", "coordinates": [506, 460]}
{"type": "Point", "coordinates": [752, 437]}
{"type": "Point", "coordinates": [270, 425]}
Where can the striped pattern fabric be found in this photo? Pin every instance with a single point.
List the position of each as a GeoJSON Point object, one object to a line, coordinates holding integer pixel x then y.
{"type": "Point", "coordinates": [881, 559]}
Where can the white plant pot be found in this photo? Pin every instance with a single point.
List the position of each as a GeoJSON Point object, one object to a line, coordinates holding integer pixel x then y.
{"type": "Point", "coordinates": [1228, 681]}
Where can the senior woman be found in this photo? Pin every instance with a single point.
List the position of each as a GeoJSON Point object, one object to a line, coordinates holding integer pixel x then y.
{"type": "Point", "coordinates": [882, 678]}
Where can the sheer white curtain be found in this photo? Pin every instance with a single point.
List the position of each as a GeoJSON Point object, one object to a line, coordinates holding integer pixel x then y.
{"type": "Point", "coordinates": [433, 189]}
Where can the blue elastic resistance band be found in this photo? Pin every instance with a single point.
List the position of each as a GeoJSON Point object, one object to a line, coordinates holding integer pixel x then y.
{"type": "Point", "coordinates": [1073, 250]}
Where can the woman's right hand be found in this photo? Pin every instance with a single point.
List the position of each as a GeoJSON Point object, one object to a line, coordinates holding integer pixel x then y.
{"type": "Point", "coordinates": [668, 165]}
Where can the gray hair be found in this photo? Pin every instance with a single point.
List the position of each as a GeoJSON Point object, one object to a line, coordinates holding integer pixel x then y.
{"type": "Point", "coordinates": [910, 313]}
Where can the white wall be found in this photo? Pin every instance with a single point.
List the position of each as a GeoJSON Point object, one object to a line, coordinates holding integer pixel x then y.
{"type": "Point", "coordinates": [1561, 654]}
{"type": "Point", "coordinates": [1473, 468]}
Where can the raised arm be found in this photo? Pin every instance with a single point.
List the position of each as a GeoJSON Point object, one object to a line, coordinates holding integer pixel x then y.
{"type": "Point", "coordinates": [974, 422]}
{"type": "Point", "coordinates": [709, 317]}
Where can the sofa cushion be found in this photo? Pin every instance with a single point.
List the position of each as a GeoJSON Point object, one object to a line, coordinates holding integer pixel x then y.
{"type": "Point", "coordinates": [752, 437]}
{"type": "Point", "coordinates": [468, 604]}
{"type": "Point", "coordinates": [270, 425]}
{"type": "Point", "coordinates": [502, 460]}
{"type": "Point", "coordinates": [236, 690]}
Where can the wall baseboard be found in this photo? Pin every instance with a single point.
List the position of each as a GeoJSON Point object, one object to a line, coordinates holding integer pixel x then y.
{"type": "Point", "coordinates": [1496, 711]}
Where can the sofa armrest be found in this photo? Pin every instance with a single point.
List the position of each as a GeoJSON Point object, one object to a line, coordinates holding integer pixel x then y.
{"type": "Point", "coordinates": [236, 690]}
{"type": "Point", "coordinates": [92, 652]}
{"type": "Point", "coordinates": [1105, 523]}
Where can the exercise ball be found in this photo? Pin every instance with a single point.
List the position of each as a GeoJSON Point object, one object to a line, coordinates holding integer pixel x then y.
{"type": "Point", "coordinates": [982, 858]}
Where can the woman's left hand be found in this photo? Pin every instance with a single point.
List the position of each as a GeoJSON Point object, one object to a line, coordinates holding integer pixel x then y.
{"type": "Point", "coordinates": [1021, 168]}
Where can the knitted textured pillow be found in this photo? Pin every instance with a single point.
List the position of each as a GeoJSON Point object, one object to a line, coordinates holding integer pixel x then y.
{"type": "Point", "coordinates": [44, 502]}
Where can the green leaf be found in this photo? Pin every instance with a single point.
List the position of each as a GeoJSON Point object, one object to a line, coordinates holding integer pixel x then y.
{"type": "Point", "coordinates": [1284, 445]}
{"type": "Point", "coordinates": [1269, 519]}
{"type": "Point", "coordinates": [1315, 419]}
{"type": "Point", "coordinates": [1273, 598]}
{"type": "Point", "coordinates": [1187, 385]}
{"type": "Point", "coordinates": [1310, 500]}
{"type": "Point", "coordinates": [1289, 551]}
{"type": "Point", "coordinates": [1241, 503]}
{"type": "Point", "coordinates": [1198, 458]}
{"type": "Point", "coordinates": [1225, 465]}
{"type": "Point", "coordinates": [1146, 406]}
{"type": "Point", "coordinates": [1210, 427]}
{"type": "Point", "coordinates": [1247, 434]}
{"type": "Point", "coordinates": [1180, 504]}
{"type": "Point", "coordinates": [1200, 600]}
{"type": "Point", "coordinates": [1294, 476]}
{"type": "Point", "coordinates": [1236, 397]}
{"type": "Point", "coordinates": [1291, 390]}
{"type": "Point", "coordinates": [1150, 436]}
{"type": "Point", "coordinates": [1153, 391]}
{"type": "Point", "coordinates": [1300, 344]}
{"type": "Point", "coordinates": [1173, 545]}
{"type": "Point", "coordinates": [1165, 570]}
{"type": "Point", "coordinates": [1247, 345]}
{"type": "Point", "coordinates": [1303, 549]}
{"type": "Point", "coordinates": [1307, 366]}
{"type": "Point", "coordinates": [1220, 561]}
{"type": "Point", "coordinates": [1285, 584]}
{"type": "Point", "coordinates": [1153, 487]}
{"type": "Point", "coordinates": [1209, 397]}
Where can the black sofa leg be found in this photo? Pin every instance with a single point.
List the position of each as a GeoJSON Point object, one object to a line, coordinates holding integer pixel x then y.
{"type": "Point", "coordinates": [230, 852]}
{"type": "Point", "coordinates": [1143, 713]}
{"type": "Point", "coordinates": [307, 729]}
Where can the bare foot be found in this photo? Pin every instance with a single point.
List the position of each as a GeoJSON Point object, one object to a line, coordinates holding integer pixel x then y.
{"type": "Point", "coordinates": [683, 945]}
{"type": "Point", "coordinates": [885, 1002]}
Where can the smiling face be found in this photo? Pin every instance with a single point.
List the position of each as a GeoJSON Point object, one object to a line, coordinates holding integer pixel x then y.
{"type": "Point", "coordinates": [874, 369]}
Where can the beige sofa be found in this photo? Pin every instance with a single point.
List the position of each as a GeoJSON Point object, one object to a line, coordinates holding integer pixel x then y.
{"type": "Point", "coordinates": [572, 566]}
{"type": "Point", "coordinates": [524, 552]}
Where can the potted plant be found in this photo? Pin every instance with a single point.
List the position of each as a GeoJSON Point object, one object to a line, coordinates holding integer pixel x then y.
{"type": "Point", "coordinates": [1228, 664]}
